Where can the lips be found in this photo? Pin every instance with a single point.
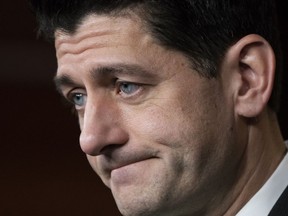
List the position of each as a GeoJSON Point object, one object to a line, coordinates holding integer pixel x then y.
{"type": "Point", "coordinates": [114, 166]}
{"type": "Point", "coordinates": [133, 174]}
{"type": "Point", "coordinates": [119, 159]}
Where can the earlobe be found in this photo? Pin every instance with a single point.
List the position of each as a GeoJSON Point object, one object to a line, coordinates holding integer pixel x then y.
{"type": "Point", "coordinates": [255, 65]}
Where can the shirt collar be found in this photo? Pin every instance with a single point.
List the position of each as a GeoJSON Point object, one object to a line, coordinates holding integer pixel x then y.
{"type": "Point", "coordinates": [264, 200]}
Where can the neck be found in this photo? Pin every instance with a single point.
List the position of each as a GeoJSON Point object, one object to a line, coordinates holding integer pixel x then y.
{"type": "Point", "coordinates": [264, 151]}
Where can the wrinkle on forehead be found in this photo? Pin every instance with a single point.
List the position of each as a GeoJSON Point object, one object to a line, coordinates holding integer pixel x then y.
{"type": "Point", "coordinates": [86, 42]}
{"type": "Point", "coordinates": [86, 29]}
{"type": "Point", "coordinates": [92, 28]}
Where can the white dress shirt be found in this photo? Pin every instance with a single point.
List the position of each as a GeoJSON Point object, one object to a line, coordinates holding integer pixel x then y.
{"type": "Point", "coordinates": [264, 200]}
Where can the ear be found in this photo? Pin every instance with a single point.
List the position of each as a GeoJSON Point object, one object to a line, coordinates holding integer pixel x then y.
{"type": "Point", "coordinates": [252, 64]}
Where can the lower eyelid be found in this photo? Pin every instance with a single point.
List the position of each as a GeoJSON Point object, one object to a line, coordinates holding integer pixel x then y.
{"type": "Point", "coordinates": [137, 86]}
{"type": "Point", "coordinates": [134, 96]}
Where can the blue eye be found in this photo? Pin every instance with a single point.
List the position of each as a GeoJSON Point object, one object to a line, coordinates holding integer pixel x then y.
{"type": "Point", "coordinates": [78, 99]}
{"type": "Point", "coordinates": [128, 88]}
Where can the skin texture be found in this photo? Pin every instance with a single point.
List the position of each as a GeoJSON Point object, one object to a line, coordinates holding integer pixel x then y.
{"type": "Point", "coordinates": [164, 139]}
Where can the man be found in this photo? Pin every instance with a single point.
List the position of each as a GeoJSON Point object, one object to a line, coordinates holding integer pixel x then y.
{"type": "Point", "coordinates": [175, 101]}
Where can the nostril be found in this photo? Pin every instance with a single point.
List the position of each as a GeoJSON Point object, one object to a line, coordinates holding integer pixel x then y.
{"type": "Point", "coordinates": [108, 150]}
{"type": "Point", "coordinates": [101, 143]}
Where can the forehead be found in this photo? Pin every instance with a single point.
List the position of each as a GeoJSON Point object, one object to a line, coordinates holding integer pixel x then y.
{"type": "Point", "coordinates": [103, 41]}
{"type": "Point", "coordinates": [97, 26]}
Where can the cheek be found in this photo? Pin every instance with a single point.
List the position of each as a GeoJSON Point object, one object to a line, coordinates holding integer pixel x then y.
{"type": "Point", "coordinates": [168, 125]}
{"type": "Point", "coordinates": [80, 122]}
{"type": "Point", "coordinates": [153, 123]}
{"type": "Point", "coordinates": [193, 128]}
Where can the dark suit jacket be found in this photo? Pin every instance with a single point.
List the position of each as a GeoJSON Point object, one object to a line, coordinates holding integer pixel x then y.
{"type": "Point", "coordinates": [281, 206]}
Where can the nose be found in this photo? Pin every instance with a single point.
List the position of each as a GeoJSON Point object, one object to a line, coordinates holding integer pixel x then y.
{"type": "Point", "coordinates": [101, 126]}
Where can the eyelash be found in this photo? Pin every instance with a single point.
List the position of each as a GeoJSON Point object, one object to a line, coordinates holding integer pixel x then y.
{"type": "Point", "coordinates": [71, 96]}
{"type": "Point", "coordinates": [79, 92]}
{"type": "Point", "coordinates": [119, 84]}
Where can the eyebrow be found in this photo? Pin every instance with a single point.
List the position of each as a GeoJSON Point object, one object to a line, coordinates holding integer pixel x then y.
{"type": "Point", "coordinates": [105, 71]}
{"type": "Point", "coordinates": [63, 80]}
{"type": "Point", "coordinates": [120, 69]}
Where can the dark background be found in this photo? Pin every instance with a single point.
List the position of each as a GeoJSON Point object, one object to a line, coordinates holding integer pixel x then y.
{"type": "Point", "coordinates": [42, 169]}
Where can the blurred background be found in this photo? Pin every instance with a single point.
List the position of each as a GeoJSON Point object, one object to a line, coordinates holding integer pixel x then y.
{"type": "Point", "coordinates": [42, 169]}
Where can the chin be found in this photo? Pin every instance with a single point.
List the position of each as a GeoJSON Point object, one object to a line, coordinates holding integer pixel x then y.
{"type": "Point", "coordinates": [148, 200]}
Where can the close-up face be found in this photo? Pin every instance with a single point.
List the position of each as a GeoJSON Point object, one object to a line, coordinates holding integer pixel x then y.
{"type": "Point", "coordinates": [159, 135]}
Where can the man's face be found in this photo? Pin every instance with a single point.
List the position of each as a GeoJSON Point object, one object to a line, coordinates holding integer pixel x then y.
{"type": "Point", "coordinates": [159, 135]}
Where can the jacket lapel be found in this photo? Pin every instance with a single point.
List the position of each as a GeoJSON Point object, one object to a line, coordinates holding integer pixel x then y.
{"type": "Point", "coordinates": [281, 206]}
